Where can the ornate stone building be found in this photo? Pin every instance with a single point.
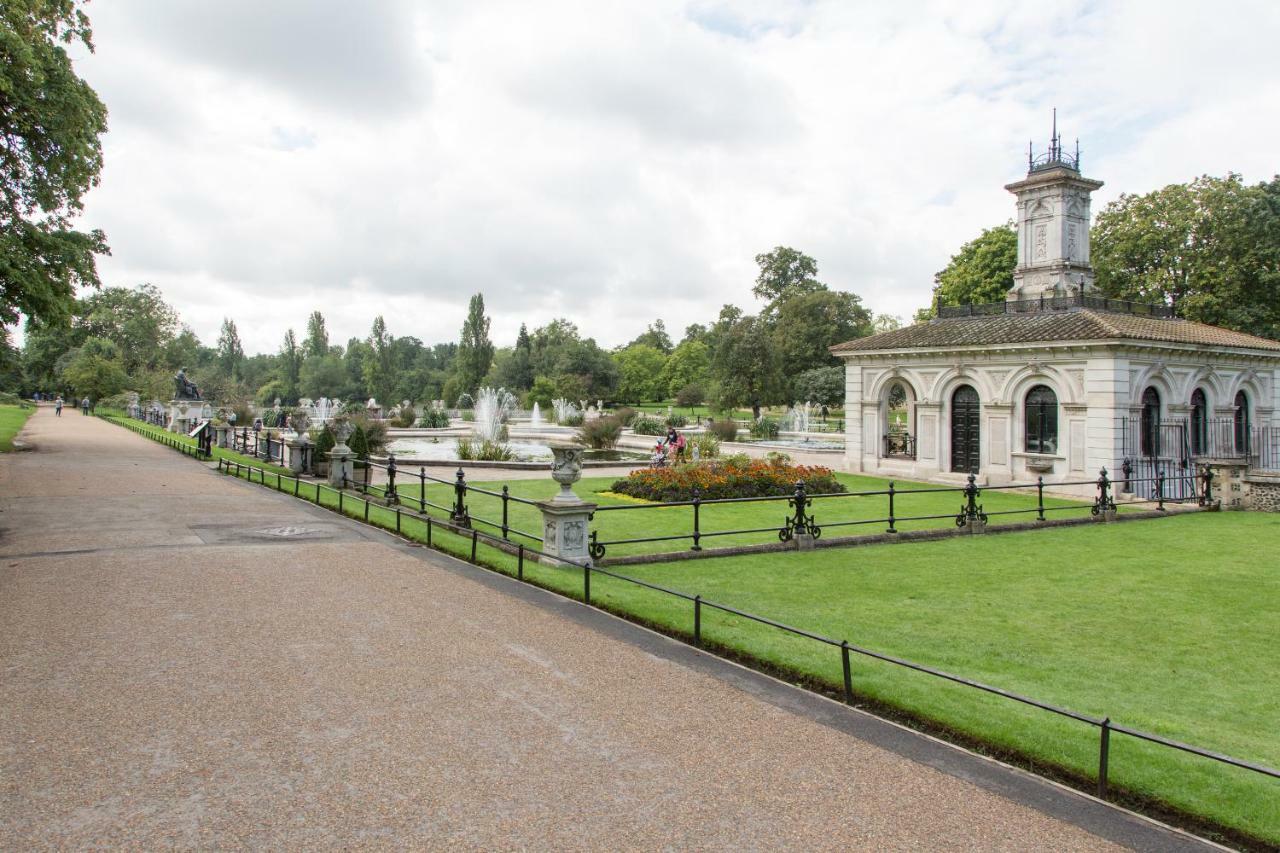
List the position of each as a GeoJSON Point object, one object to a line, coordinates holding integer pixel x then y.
{"type": "Point", "coordinates": [1057, 381]}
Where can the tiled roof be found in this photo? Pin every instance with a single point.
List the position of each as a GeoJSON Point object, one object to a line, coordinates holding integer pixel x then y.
{"type": "Point", "coordinates": [1078, 325]}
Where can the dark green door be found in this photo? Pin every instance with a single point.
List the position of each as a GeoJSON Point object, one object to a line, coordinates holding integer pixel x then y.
{"type": "Point", "coordinates": [966, 415]}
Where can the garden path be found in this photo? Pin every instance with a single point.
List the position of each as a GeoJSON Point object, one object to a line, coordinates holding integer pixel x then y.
{"type": "Point", "coordinates": [190, 660]}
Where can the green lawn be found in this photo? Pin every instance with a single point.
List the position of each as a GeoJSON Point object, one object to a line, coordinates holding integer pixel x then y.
{"type": "Point", "coordinates": [641, 521]}
{"type": "Point", "coordinates": [11, 420]}
{"type": "Point", "coordinates": [1168, 626]}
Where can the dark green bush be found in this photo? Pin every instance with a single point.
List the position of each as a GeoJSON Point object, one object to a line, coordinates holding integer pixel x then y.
{"type": "Point", "coordinates": [725, 430]}
{"type": "Point", "coordinates": [434, 419]}
{"type": "Point", "coordinates": [601, 433]}
{"type": "Point", "coordinates": [677, 420]}
{"type": "Point", "coordinates": [647, 425]}
{"type": "Point", "coordinates": [764, 428]}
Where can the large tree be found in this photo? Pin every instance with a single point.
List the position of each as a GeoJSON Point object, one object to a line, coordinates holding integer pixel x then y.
{"type": "Point", "coordinates": [138, 321]}
{"type": "Point", "coordinates": [747, 365]}
{"type": "Point", "coordinates": [230, 351]}
{"type": "Point", "coordinates": [290, 367]}
{"type": "Point", "coordinates": [317, 341]}
{"type": "Point", "coordinates": [1210, 249]}
{"type": "Point", "coordinates": [640, 373]}
{"type": "Point", "coordinates": [379, 373]}
{"type": "Point", "coordinates": [785, 273]}
{"type": "Point", "coordinates": [982, 271]}
{"type": "Point", "coordinates": [95, 370]}
{"type": "Point", "coordinates": [689, 364]}
{"type": "Point", "coordinates": [475, 350]}
{"type": "Point", "coordinates": [809, 324]}
{"type": "Point", "coordinates": [50, 155]}
{"type": "Point", "coordinates": [655, 336]}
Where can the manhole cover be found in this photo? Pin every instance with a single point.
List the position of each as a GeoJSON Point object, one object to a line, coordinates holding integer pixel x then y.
{"type": "Point", "coordinates": [287, 530]}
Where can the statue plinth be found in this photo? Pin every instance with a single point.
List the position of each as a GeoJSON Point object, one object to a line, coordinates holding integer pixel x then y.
{"type": "Point", "coordinates": [185, 414]}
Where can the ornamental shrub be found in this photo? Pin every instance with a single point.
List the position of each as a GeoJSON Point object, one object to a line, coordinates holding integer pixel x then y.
{"type": "Point", "coordinates": [707, 445]}
{"type": "Point", "coordinates": [766, 428]}
{"type": "Point", "coordinates": [601, 433]}
{"type": "Point", "coordinates": [647, 425]}
{"type": "Point", "coordinates": [725, 430]}
{"type": "Point", "coordinates": [726, 478]}
{"type": "Point", "coordinates": [325, 443]}
{"type": "Point", "coordinates": [677, 420]}
{"type": "Point", "coordinates": [359, 443]}
{"type": "Point", "coordinates": [626, 414]}
{"type": "Point", "coordinates": [475, 450]}
{"type": "Point", "coordinates": [434, 419]}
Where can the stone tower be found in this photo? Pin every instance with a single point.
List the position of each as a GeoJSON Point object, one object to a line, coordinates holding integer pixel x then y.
{"type": "Point", "coordinates": [1053, 225]}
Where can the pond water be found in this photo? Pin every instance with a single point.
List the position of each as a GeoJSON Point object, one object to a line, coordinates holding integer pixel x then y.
{"type": "Point", "coordinates": [446, 449]}
{"type": "Point", "coordinates": [796, 443]}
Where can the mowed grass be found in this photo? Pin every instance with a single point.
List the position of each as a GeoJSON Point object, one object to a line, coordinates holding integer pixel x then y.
{"type": "Point", "coordinates": [12, 419]}
{"type": "Point", "coordinates": [841, 516]}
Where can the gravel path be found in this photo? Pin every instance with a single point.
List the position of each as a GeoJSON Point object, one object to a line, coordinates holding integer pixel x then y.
{"type": "Point", "coordinates": [191, 661]}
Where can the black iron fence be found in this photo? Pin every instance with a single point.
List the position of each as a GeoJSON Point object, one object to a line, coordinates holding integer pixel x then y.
{"type": "Point", "coordinates": [1106, 728]}
{"type": "Point", "coordinates": [1055, 303]}
{"type": "Point", "coordinates": [261, 444]}
{"type": "Point", "coordinates": [1156, 488]}
{"type": "Point", "coordinates": [200, 450]}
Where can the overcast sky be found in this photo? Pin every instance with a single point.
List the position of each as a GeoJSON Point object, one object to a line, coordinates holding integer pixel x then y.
{"type": "Point", "coordinates": [618, 162]}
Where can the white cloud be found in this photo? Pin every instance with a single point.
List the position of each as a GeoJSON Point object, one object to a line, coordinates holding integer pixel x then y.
{"type": "Point", "coordinates": [617, 162]}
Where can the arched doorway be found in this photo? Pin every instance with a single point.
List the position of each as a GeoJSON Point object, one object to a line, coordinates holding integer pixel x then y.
{"type": "Point", "coordinates": [899, 416]}
{"type": "Point", "coordinates": [966, 435]}
{"type": "Point", "coordinates": [1199, 423]}
{"type": "Point", "coordinates": [1150, 423]}
{"type": "Point", "coordinates": [1241, 424]}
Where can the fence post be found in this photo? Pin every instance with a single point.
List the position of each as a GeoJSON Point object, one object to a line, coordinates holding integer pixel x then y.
{"type": "Point", "coordinates": [422, 488]}
{"type": "Point", "coordinates": [1206, 498]}
{"type": "Point", "coordinates": [1039, 498]}
{"type": "Point", "coordinates": [428, 530]}
{"type": "Point", "coordinates": [848, 673]}
{"type": "Point", "coordinates": [340, 494]}
{"type": "Point", "coordinates": [1160, 490]}
{"type": "Point", "coordinates": [506, 496]}
{"type": "Point", "coordinates": [475, 535]}
{"type": "Point", "coordinates": [1103, 507]}
{"type": "Point", "coordinates": [397, 519]}
{"type": "Point", "coordinates": [460, 516]}
{"type": "Point", "coordinates": [586, 583]}
{"type": "Point", "coordinates": [697, 620]}
{"type": "Point", "coordinates": [366, 509]}
{"type": "Point", "coordinates": [891, 529]}
{"type": "Point", "coordinates": [697, 520]}
{"type": "Point", "coordinates": [392, 497]}
{"type": "Point", "coordinates": [1104, 749]}
{"type": "Point", "coordinates": [520, 563]}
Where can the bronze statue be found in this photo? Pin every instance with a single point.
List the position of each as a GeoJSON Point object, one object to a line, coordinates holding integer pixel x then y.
{"type": "Point", "coordinates": [186, 389]}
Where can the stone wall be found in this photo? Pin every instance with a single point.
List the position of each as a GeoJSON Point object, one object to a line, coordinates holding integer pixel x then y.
{"type": "Point", "coordinates": [1263, 492]}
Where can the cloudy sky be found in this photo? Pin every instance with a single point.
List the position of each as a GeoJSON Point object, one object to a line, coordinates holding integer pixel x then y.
{"type": "Point", "coordinates": [617, 162]}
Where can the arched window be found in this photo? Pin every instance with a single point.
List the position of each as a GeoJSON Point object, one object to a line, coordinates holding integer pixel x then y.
{"type": "Point", "coordinates": [1042, 420]}
{"type": "Point", "coordinates": [1242, 423]}
{"type": "Point", "coordinates": [1150, 437]}
{"type": "Point", "coordinates": [1199, 423]}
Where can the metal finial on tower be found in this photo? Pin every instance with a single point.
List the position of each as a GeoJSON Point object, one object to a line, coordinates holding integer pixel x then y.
{"type": "Point", "coordinates": [1055, 157]}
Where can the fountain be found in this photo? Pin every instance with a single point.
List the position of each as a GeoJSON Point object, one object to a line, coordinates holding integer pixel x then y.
{"type": "Point", "coordinates": [535, 417]}
{"type": "Point", "coordinates": [493, 408]}
{"type": "Point", "coordinates": [564, 410]}
{"type": "Point", "coordinates": [798, 418]}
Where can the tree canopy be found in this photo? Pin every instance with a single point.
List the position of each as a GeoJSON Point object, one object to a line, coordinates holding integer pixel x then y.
{"type": "Point", "coordinates": [50, 156]}
{"type": "Point", "coordinates": [475, 350]}
{"type": "Point", "coordinates": [982, 271]}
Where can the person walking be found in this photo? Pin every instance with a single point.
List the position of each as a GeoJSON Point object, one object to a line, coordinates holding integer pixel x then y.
{"type": "Point", "coordinates": [84, 407]}
{"type": "Point", "coordinates": [57, 407]}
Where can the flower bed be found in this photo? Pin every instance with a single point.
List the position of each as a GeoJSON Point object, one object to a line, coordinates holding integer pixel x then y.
{"type": "Point", "coordinates": [730, 478]}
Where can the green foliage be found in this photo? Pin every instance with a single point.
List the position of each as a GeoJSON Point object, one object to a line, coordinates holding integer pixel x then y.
{"type": "Point", "coordinates": [647, 425]}
{"type": "Point", "coordinates": [764, 428]}
{"type": "Point", "coordinates": [690, 396]}
{"type": "Point", "coordinates": [542, 392]}
{"type": "Point", "coordinates": [325, 442]}
{"type": "Point", "coordinates": [359, 443]}
{"type": "Point", "coordinates": [137, 320]}
{"type": "Point", "coordinates": [434, 419]}
{"type": "Point", "coordinates": [95, 370]}
{"type": "Point", "coordinates": [317, 343]}
{"type": "Point", "coordinates": [290, 367]}
{"type": "Point", "coordinates": [230, 351]}
{"type": "Point", "coordinates": [655, 336]}
{"type": "Point", "coordinates": [626, 414]}
{"type": "Point", "coordinates": [471, 450]}
{"type": "Point", "coordinates": [676, 420]}
{"type": "Point", "coordinates": [601, 433]}
{"type": "Point", "coordinates": [270, 392]}
{"type": "Point", "coordinates": [475, 350]}
{"type": "Point", "coordinates": [377, 368]}
{"type": "Point", "coordinates": [325, 376]}
{"type": "Point", "coordinates": [689, 364]}
{"type": "Point", "coordinates": [578, 367]}
{"type": "Point", "coordinates": [707, 445]}
{"type": "Point", "coordinates": [808, 325]}
{"type": "Point", "coordinates": [822, 385]}
{"type": "Point", "coordinates": [746, 364]}
{"type": "Point", "coordinates": [1210, 249]}
{"type": "Point", "coordinates": [406, 418]}
{"type": "Point", "coordinates": [725, 429]}
{"type": "Point", "coordinates": [785, 273]}
{"type": "Point", "coordinates": [50, 156]}
{"type": "Point", "coordinates": [640, 369]}
{"type": "Point", "coordinates": [982, 271]}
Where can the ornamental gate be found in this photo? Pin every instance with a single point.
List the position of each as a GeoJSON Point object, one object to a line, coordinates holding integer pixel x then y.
{"type": "Point", "coordinates": [1156, 449]}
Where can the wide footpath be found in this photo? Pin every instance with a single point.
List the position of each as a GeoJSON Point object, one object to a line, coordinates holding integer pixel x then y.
{"type": "Point", "coordinates": [189, 660]}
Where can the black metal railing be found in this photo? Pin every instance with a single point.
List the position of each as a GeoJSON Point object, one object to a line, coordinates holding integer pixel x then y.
{"type": "Point", "coordinates": [200, 450]}
{"type": "Point", "coordinates": [261, 444]}
{"type": "Point", "coordinates": [1157, 491]}
{"type": "Point", "coordinates": [1055, 303]}
{"type": "Point", "coordinates": [1106, 727]}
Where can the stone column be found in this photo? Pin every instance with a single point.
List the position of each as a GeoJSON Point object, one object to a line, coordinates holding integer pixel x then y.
{"type": "Point", "coordinates": [565, 516]}
{"type": "Point", "coordinates": [220, 432]}
{"type": "Point", "coordinates": [295, 445]}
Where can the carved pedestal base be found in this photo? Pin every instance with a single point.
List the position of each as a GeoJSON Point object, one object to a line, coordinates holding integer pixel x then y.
{"type": "Point", "coordinates": [340, 469]}
{"type": "Point", "coordinates": [564, 530]}
{"type": "Point", "coordinates": [294, 448]}
{"type": "Point", "coordinates": [185, 414]}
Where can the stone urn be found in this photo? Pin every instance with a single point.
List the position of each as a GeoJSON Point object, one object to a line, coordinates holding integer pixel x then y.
{"type": "Point", "coordinates": [566, 469]}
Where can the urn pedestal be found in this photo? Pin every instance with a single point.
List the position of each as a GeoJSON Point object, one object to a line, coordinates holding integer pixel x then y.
{"type": "Point", "coordinates": [295, 452]}
{"type": "Point", "coordinates": [340, 467]}
{"type": "Point", "coordinates": [566, 516]}
{"type": "Point", "coordinates": [185, 414]}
